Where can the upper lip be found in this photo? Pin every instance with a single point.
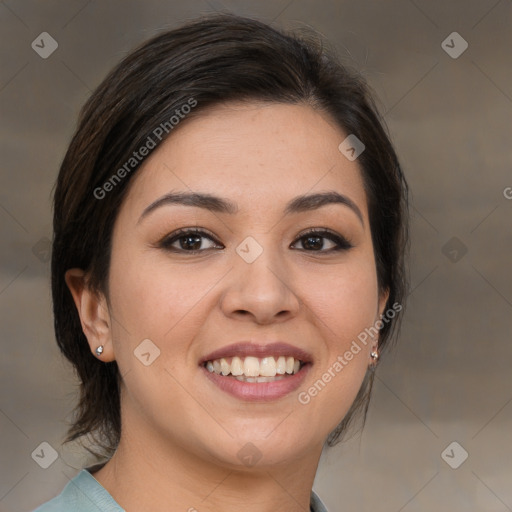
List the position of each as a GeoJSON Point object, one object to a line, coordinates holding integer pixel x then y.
{"type": "Point", "coordinates": [244, 349]}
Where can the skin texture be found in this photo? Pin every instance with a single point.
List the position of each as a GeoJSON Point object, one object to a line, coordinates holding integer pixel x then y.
{"type": "Point", "coordinates": [181, 433]}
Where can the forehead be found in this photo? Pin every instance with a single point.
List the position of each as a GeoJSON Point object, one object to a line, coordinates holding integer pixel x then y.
{"type": "Point", "coordinates": [259, 155]}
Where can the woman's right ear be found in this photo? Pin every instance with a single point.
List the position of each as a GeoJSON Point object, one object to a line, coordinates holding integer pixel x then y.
{"type": "Point", "coordinates": [94, 314]}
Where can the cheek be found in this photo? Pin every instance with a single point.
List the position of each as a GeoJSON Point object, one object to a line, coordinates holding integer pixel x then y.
{"type": "Point", "coordinates": [345, 302]}
{"type": "Point", "coordinates": [150, 299]}
{"type": "Point", "coordinates": [343, 305]}
{"type": "Point", "coordinates": [153, 302]}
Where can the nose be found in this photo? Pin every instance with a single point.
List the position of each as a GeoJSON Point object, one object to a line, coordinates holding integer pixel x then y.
{"type": "Point", "coordinates": [261, 291]}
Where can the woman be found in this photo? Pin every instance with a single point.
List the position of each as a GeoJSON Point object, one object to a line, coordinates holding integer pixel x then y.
{"type": "Point", "coordinates": [229, 231]}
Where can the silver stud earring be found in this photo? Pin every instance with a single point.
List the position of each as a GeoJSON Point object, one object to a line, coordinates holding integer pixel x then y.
{"type": "Point", "coordinates": [375, 357]}
{"type": "Point", "coordinates": [99, 350]}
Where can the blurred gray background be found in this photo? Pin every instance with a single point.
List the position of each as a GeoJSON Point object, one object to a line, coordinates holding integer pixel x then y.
{"type": "Point", "coordinates": [450, 116]}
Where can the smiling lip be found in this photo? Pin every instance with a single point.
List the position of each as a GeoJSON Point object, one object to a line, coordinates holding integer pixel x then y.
{"type": "Point", "coordinates": [244, 349]}
{"type": "Point", "coordinates": [258, 391]}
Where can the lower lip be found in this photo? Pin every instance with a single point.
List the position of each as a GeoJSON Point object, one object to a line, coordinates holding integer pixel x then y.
{"type": "Point", "coordinates": [258, 391]}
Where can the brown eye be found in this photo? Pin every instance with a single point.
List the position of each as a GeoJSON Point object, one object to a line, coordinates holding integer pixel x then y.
{"type": "Point", "coordinates": [323, 241]}
{"type": "Point", "coordinates": [189, 241]}
{"type": "Point", "coordinates": [314, 243]}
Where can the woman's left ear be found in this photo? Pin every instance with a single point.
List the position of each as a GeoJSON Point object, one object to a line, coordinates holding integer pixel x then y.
{"type": "Point", "coordinates": [94, 314]}
{"type": "Point", "coordinates": [383, 300]}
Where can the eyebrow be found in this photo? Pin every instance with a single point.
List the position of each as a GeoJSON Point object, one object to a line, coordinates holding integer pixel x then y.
{"type": "Point", "coordinates": [217, 204]}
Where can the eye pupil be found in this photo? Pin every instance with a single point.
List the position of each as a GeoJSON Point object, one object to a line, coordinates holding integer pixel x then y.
{"type": "Point", "coordinates": [313, 242]}
{"type": "Point", "coordinates": [191, 242]}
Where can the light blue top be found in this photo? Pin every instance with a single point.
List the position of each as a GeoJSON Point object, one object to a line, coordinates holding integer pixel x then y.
{"type": "Point", "coordinates": [84, 493]}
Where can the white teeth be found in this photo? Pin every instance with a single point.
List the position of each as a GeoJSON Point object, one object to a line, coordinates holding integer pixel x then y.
{"type": "Point", "coordinates": [266, 379]}
{"type": "Point", "coordinates": [253, 369]}
{"type": "Point", "coordinates": [236, 366]}
{"type": "Point", "coordinates": [281, 365]}
{"type": "Point", "coordinates": [268, 367]}
{"type": "Point", "coordinates": [224, 367]}
{"type": "Point", "coordinates": [243, 378]}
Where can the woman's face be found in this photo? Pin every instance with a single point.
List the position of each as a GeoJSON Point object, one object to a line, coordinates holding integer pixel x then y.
{"type": "Point", "coordinates": [213, 264]}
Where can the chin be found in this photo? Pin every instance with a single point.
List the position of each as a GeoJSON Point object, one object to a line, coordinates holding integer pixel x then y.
{"type": "Point", "coordinates": [254, 449]}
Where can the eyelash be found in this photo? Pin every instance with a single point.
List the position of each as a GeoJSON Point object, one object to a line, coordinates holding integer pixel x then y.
{"type": "Point", "coordinates": [342, 244]}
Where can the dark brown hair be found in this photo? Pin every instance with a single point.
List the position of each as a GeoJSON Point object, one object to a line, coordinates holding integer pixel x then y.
{"type": "Point", "coordinates": [213, 59]}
